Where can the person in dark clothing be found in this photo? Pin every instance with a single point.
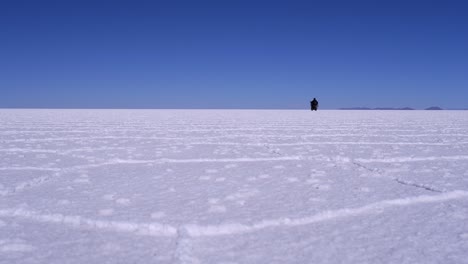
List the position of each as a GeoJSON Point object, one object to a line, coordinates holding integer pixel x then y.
{"type": "Point", "coordinates": [314, 105]}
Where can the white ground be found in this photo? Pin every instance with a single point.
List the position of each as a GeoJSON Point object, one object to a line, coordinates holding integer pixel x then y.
{"type": "Point", "coordinates": [233, 186]}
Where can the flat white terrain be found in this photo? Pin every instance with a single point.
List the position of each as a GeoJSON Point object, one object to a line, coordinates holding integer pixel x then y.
{"type": "Point", "coordinates": [233, 186]}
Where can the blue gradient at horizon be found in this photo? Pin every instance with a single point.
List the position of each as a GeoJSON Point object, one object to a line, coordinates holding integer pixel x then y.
{"type": "Point", "coordinates": [233, 54]}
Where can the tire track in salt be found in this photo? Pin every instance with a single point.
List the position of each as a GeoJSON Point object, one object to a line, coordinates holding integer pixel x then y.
{"type": "Point", "coordinates": [417, 185]}
{"type": "Point", "coordinates": [184, 247]}
{"type": "Point", "coordinates": [398, 180]}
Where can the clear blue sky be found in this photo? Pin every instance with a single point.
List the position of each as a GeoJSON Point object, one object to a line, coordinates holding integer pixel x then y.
{"type": "Point", "coordinates": [233, 54]}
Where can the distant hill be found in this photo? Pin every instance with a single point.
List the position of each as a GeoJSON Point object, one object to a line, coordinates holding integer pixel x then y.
{"type": "Point", "coordinates": [378, 108]}
{"type": "Point", "coordinates": [434, 108]}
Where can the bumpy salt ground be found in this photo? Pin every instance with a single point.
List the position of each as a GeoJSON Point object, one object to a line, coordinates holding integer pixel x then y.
{"type": "Point", "coordinates": [233, 186]}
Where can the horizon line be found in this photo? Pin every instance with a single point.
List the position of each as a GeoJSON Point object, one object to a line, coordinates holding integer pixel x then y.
{"type": "Point", "coordinates": [306, 109]}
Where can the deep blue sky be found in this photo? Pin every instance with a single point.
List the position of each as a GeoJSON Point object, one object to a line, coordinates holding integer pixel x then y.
{"type": "Point", "coordinates": [233, 54]}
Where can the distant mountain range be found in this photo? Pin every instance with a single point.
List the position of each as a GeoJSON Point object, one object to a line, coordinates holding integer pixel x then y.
{"type": "Point", "coordinates": [434, 108]}
{"type": "Point", "coordinates": [391, 108]}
